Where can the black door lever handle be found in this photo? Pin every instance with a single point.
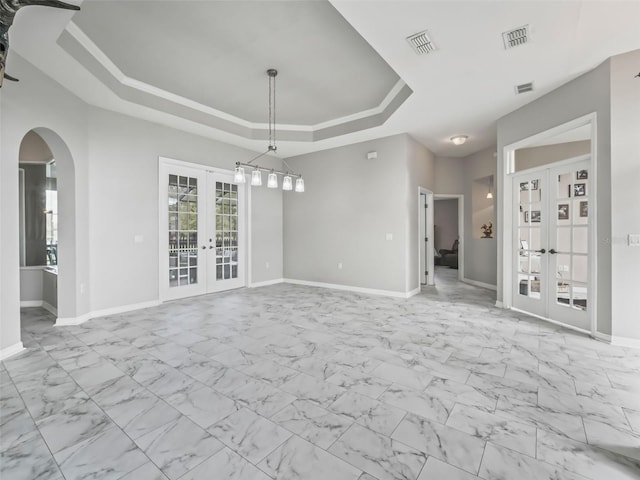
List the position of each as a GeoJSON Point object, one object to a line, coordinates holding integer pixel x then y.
{"type": "Point", "coordinates": [552, 251]}
{"type": "Point", "coordinates": [542, 250]}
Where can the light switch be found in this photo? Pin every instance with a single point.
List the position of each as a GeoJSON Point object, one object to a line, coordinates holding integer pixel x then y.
{"type": "Point", "coordinates": [634, 239]}
{"type": "Point", "coordinates": [138, 238]}
{"type": "Point", "coordinates": [389, 236]}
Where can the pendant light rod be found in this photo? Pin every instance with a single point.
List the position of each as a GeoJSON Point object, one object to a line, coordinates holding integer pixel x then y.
{"type": "Point", "coordinates": [270, 170]}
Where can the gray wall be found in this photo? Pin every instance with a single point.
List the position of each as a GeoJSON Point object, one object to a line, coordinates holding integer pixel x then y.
{"type": "Point", "coordinates": [546, 154]}
{"type": "Point", "coordinates": [445, 219]}
{"type": "Point", "coordinates": [350, 205]}
{"type": "Point", "coordinates": [625, 182]}
{"type": "Point", "coordinates": [586, 94]}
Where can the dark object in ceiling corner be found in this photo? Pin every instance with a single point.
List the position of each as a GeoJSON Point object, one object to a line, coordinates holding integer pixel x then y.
{"type": "Point", "coordinates": [8, 10]}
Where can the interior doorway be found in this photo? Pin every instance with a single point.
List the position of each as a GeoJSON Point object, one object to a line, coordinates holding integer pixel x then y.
{"type": "Point", "coordinates": [448, 251]}
{"type": "Point", "coordinates": [47, 244]}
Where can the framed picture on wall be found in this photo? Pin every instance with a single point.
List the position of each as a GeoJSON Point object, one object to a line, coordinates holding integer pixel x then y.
{"type": "Point", "coordinates": [535, 216]}
{"type": "Point", "coordinates": [582, 175]}
{"type": "Point", "coordinates": [563, 211]}
{"type": "Point", "coordinates": [584, 209]}
{"type": "Point", "coordinates": [579, 189]}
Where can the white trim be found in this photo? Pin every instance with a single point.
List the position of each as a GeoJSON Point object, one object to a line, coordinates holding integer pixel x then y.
{"type": "Point", "coordinates": [555, 322]}
{"type": "Point", "coordinates": [92, 49]}
{"type": "Point", "coordinates": [368, 291]}
{"type": "Point", "coordinates": [50, 308]}
{"type": "Point", "coordinates": [625, 341]}
{"type": "Point", "coordinates": [499, 304]}
{"type": "Point", "coordinates": [602, 337]}
{"type": "Point", "coordinates": [62, 322]}
{"type": "Point", "coordinates": [505, 208]}
{"type": "Point", "coordinates": [35, 267]}
{"type": "Point", "coordinates": [30, 303]}
{"type": "Point", "coordinates": [428, 262]}
{"type": "Point", "coordinates": [266, 283]}
{"type": "Point", "coordinates": [476, 283]}
{"type": "Point", "coordinates": [12, 350]}
{"type": "Point", "coordinates": [413, 292]}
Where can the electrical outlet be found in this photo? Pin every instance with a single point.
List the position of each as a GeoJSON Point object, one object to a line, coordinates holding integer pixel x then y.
{"type": "Point", "coordinates": [266, 265]}
{"type": "Point", "coordinates": [634, 239]}
{"type": "Point", "coordinates": [389, 236]}
{"type": "Point", "coordinates": [340, 266]}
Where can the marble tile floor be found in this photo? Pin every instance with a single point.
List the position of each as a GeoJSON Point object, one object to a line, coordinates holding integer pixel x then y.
{"type": "Point", "coordinates": [298, 383]}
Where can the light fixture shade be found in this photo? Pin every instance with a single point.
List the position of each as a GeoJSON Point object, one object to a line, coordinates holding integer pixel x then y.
{"type": "Point", "coordinates": [238, 176]}
{"type": "Point", "coordinates": [272, 180]}
{"type": "Point", "coordinates": [287, 183]}
{"type": "Point", "coordinates": [299, 185]}
{"type": "Point", "coordinates": [489, 195]}
{"type": "Point", "coordinates": [459, 139]}
{"type": "Point", "coordinates": [256, 178]}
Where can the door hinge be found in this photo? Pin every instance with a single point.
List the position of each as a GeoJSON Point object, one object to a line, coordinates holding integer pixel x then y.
{"type": "Point", "coordinates": [426, 239]}
{"type": "Point", "coordinates": [426, 205]}
{"type": "Point", "coordinates": [427, 272]}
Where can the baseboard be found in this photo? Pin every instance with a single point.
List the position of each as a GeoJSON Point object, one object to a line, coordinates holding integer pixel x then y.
{"type": "Point", "coordinates": [62, 322]}
{"type": "Point", "coordinates": [266, 283]}
{"type": "Point", "coordinates": [480, 284]}
{"type": "Point", "coordinates": [10, 351]}
{"type": "Point", "coordinates": [625, 341]}
{"type": "Point", "coordinates": [555, 322]}
{"type": "Point", "coordinates": [337, 286]}
{"type": "Point", "coordinates": [50, 308]}
{"type": "Point", "coordinates": [30, 303]}
{"type": "Point", "coordinates": [602, 337]}
{"type": "Point", "coordinates": [499, 304]}
{"type": "Point", "coordinates": [411, 293]}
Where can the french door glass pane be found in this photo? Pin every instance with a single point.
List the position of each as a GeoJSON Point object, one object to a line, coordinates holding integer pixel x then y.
{"type": "Point", "coordinates": [226, 231]}
{"type": "Point", "coordinates": [529, 235]}
{"type": "Point", "coordinates": [572, 240]}
{"type": "Point", "coordinates": [183, 230]}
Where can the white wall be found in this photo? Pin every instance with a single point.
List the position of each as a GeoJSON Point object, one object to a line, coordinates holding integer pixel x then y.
{"type": "Point", "coordinates": [124, 153]}
{"type": "Point", "coordinates": [111, 183]}
{"type": "Point", "coordinates": [420, 173]}
{"type": "Point", "coordinates": [445, 219]}
{"type": "Point", "coordinates": [625, 181]}
{"type": "Point", "coordinates": [31, 284]}
{"type": "Point", "coordinates": [36, 102]}
{"type": "Point", "coordinates": [349, 206]}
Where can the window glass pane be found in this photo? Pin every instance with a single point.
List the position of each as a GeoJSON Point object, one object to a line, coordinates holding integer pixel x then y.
{"type": "Point", "coordinates": [564, 215]}
{"type": "Point", "coordinates": [534, 238]}
{"type": "Point", "coordinates": [564, 185]}
{"type": "Point", "coordinates": [581, 209]}
{"type": "Point", "coordinates": [579, 293]}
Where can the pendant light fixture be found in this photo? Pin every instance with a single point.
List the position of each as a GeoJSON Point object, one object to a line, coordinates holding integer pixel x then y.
{"type": "Point", "coordinates": [490, 192]}
{"type": "Point", "coordinates": [256, 173]}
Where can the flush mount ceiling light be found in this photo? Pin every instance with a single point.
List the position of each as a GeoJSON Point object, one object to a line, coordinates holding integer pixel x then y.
{"type": "Point", "coordinates": [459, 139]}
{"type": "Point", "coordinates": [256, 170]}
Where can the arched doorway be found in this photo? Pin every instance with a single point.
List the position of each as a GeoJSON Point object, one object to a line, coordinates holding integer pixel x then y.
{"type": "Point", "coordinates": [57, 247]}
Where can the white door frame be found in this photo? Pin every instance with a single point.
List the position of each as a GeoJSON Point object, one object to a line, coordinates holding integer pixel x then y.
{"type": "Point", "coordinates": [425, 260]}
{"type": "Point", "coordinates": [164, 162]}
{"type": "Point", "coordinates": [461, 242]}
{"type": "Point", "coordinates": [506, 199]}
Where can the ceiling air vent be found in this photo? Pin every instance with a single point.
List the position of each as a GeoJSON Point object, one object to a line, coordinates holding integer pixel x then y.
{"type": "Point", "coordinates": [421, 43]}
{"type": "Point", "coordinates": [516, 37]}
{"type": "Point", "coordinates": [524, 88]}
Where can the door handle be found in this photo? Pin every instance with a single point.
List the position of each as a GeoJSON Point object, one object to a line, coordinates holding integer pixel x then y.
{"type": "Point", "coordinates": [542, 250]}
{"type": "Point", "coordinates": [552, 251]}
{"type": "Point", "coordinates": [210, 247]}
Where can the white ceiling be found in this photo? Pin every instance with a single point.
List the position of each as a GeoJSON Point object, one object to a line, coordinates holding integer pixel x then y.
{"type": "Point", "coordinates": [461, 88]}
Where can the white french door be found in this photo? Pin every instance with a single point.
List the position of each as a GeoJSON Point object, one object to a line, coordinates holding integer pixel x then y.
{"type": "Point", "coordinates": [202, 234]}
{"type": "Point", "coordinates": [551, 243]}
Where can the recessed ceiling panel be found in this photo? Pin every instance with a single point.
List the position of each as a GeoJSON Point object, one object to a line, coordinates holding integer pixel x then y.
{"type": "Point", "coordinates": [216, 53]}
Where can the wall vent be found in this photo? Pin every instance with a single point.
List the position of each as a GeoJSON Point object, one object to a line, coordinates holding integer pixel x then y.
{"type": "Point", "coordinates": [516, 37]}
{"type": "Point", "coordinates": [524, 88]}
{"type": "Point", "coordinates": [421, 43]}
